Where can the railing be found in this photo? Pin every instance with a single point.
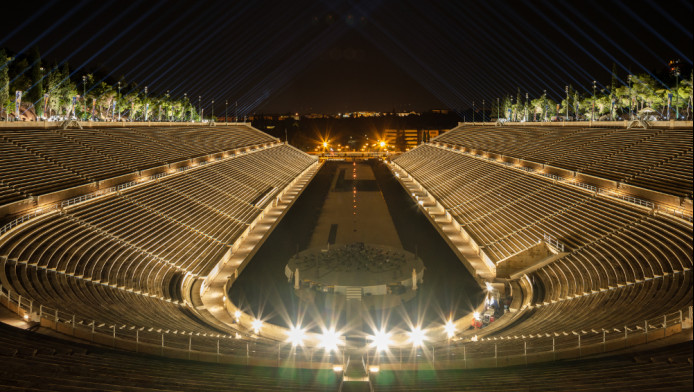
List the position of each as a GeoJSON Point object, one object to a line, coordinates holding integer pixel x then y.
{"type": "Point", "coordinates": [583, 185]}
{"type": "Point", "coordinates": [678, 212]}
{"type": "Point", "coordinates": [552, 176]}
{"type": "Point", "coordinates": [553, 242]}
{"type": "Point", "coordinates": [456, 352]}
{"type": "Point", "coordinates": [158, 175]}
{"type": "Point", "coordinates": [630, 199]}
{"type": "Point", "coordinates": [39, 211]}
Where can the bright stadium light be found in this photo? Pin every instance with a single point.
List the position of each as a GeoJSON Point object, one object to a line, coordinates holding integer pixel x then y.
{"type": "Point", "coordinates": [329, 340]}
{"type": "Point", "coordinates": [256, 325]}
{"type": "Point", "coordinates": [380, 340]}
{"type": "Point", "coordinates": [237, 316]}
{"type": "Point", "coordinates": [449, 328]}
{"type": "Point", "coordinates": [417, 336]}
{"type": "Point", "coordinates": [296, 336]}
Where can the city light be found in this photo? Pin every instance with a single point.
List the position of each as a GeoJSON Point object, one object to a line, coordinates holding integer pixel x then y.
{"type": "Point", "coordinates": [237, 315]}
{"type": "Point", "coordinates": [329, 340]}
{"type": "Point", "coordinates": [296, 336]}
{"type": "Point", "coordinates": [449, 328]}
{"type": "Point", "coordinates": [337, 368]}
{"type": "Point", "coordinates": [380, 340]}
{"type": "Point", "coordinates": [382, 144]}
{"type": "Point", "coordinates": [374, 369]}
{"type": "Point", "coordinates": [417, 336]}
{"type": "Point", "coordinates": [256, 325]}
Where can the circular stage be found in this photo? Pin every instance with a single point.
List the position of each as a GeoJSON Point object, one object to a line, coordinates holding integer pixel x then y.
{"type": "Point", "coordinates": [356, 270]}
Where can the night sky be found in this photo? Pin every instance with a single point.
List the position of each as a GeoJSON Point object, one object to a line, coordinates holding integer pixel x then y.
{"type": "Point", "coordinates": [337, 56]}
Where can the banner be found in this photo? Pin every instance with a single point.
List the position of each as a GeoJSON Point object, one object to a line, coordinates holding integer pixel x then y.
{"type": "Point", "coordinates": [17, 102]}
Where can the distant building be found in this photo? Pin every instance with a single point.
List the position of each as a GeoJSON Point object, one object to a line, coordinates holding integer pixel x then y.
{"type": "Point", "coordinates": [407, 139]}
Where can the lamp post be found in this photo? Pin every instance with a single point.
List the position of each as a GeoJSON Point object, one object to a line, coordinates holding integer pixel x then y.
{"type": "Point", "coordinates": [592, 111]}
{"type": "Point", "coordinates": [526, 107]}
{"type": "Point", "coordinates": [200, 106]}
{"type": "Point", "coordinates": [677, 92]}
{"type": "Point", "coordinates": [212, 116]}
{"type": "Point", "coordinates": [567, 103]}
{"type": "Point", "coordinates": [544, 105]}
{"type": "Point", "coordinates": [185, 106]}
{"type": "Point", "coordinates": [167, 106]}
{"type": "Point", "coordinates": [84, 93]}
{"type": "Point", "coordinates": [483, 111]}
{"type": "Point", "coordinates": [497, 108]}
{"type": "Point", "coordinates": [146, 104]}
{"type": "Point", "coordinates": [226, 111]}
{"type": "Point", "coordinates": [629, 83]}
{"type": "Point", "coordinates": [473, 111]}
{"type": "Point", "coordinates": [118, 100]}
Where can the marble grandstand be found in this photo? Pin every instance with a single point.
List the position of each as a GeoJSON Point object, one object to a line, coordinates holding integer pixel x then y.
{"type": "Point", "coordinates": [111, 231]}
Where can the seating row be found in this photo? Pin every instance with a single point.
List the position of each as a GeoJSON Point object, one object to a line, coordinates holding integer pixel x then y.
{"type": "Point", "coordinates": [131, 250]}
{"type": "Point", "coordinates": [621, 155]}
{"type": "Point", "coordinates": [39, 161]}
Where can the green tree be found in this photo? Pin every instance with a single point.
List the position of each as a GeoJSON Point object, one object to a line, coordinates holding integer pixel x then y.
{"type": "Point", "coordinates": [5, 101]}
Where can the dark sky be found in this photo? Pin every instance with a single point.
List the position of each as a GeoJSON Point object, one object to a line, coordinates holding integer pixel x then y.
{"type": "Point", "coordinates": [336, 56]}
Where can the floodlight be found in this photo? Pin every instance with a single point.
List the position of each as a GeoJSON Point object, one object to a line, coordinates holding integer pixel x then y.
{"type": "Point", "coordinates": [417, 336]}
{"type": "Point", "coordinates": [449, 328]}
{"type": "Point", "coordinates": [296, 336]}
{"type": "Point", "coordinates": [329, 340]}
{"type": "Point", "coordinates": [256, 325]}
{"type": "Point", "coordinates": [380, 340]}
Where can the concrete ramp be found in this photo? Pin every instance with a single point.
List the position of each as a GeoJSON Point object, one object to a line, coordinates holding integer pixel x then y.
{"type": "Point", "coordinates": [528, 260]}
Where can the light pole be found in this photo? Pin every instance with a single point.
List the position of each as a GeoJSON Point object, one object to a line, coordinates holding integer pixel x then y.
{"type": "Point", "coordinates": [212, 117]}
{"type": "Point", "coordinates": [146, 104]}
{"type": "Point", "coordinates": [677, 92]}
{"type": "Point", "coordinates": [84, 93]}
{"type": "Point", "coordinates": [483, 110]}
{"type": "Point", "coordinates": [200, 106]}
{"type": "Point", "coordinates": [629, 83]}
{"type": "Point", "coordinates": [167, 105]}
{"type": "Point", "coordinates": [473, 111]}
{"type": "Point", "coordinates": [526, 107]}
{"type": "Point", "coordinates": [185, 106]}
{"type": "Point", "coordinates": [226, 111]}
{"type": "Point", "coordinates": [567, 103]}
{"type": "Point", "coordinates": [592, 111]}
{"type": "Point", "coordinates": [544, 105]}
{"type": "Point", "coordinates": [118, 101]}
{"type": "Point", "coordinates": [497, 108]}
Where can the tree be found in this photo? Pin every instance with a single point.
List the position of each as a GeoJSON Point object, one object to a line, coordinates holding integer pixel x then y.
{"type": "Point", "coordinates": [5, 101]}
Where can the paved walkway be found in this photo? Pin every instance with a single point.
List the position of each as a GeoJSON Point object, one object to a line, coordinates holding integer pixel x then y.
{"type": "Point", "coordinates": [356, 214]}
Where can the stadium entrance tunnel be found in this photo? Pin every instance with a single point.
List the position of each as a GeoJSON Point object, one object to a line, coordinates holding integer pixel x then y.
{"type": "Point", "coordinates": [263, 290]}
